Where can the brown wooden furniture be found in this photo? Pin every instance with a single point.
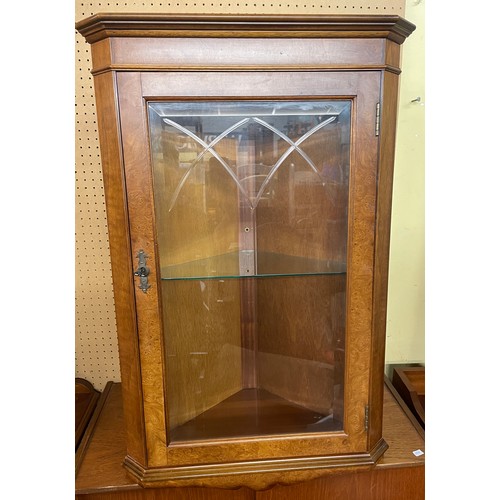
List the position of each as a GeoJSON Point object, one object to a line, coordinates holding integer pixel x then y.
{"type": "Point", "coordinates": [247, 167]}
{"type": "Point", "coordinates": [398, 475]}
{"type": "Point", "coordinates": [88, 406]}
{"type": "Point", "coordinates": [86, 398]}
{"type": "Point", "coordinates": [409, 381]}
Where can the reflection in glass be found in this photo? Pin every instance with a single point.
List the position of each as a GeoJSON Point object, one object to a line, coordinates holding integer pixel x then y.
{"type": "Point", "coordinates": [251, 203]}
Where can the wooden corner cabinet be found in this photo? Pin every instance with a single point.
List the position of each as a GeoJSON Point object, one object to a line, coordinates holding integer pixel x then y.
{"type": "Point", "coordinates": [247, 167]}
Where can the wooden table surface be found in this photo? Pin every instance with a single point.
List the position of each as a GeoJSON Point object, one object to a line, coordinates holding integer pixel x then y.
{"type": "Point", "coordinates": [398, 475]}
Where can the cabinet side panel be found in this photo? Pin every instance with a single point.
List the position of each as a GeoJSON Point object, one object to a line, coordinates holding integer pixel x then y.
{"type": "Point", "coordinates": [362, 211]}
{"type": "Point", "coordinates": [382, 237]}
{"type": "Point", "coordinates": [137, 167]}
{"type": "Point", "coordinates": [119, 243]}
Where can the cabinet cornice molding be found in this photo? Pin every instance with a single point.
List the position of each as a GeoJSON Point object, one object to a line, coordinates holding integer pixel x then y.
{"type": "Point", "coordinates": [101, 26]}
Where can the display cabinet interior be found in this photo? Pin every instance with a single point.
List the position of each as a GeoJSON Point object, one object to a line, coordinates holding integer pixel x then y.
{"type": "Point", "coordinates": [263, 190]}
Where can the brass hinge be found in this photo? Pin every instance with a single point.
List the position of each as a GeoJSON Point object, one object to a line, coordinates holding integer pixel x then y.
{"type": "Point", "coordinates": [377, 120]}
{"type": "Point", "coordinates": [367, 417]}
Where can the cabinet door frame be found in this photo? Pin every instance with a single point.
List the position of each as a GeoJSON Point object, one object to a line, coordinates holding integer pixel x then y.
{"type": "Point", "coordinates": [134, 90]}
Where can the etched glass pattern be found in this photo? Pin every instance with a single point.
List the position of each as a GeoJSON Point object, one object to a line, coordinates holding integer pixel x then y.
{"type": "Point", "coordinates": [251, 210]}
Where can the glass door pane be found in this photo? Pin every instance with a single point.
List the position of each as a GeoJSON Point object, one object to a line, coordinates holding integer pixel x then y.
{"type": "Point", "coordinates": [251, 204]}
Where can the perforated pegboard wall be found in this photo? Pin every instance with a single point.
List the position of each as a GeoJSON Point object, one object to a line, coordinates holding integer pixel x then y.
{"type": "Point", "coordinates": [85, 9]}
{"type": "Point", "coordinates": [96, 344]}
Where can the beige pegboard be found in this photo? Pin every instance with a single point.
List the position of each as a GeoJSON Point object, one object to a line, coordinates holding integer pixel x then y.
{"type": "Point", "coordinates": [96, 344]}
{"type": "Point", "coordinates": [85, 9]}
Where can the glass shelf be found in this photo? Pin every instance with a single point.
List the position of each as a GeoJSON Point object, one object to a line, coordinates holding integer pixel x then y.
{"type": "Point", "coordinates": [268, 264]}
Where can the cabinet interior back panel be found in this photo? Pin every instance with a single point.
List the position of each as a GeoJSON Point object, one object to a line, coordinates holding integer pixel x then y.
{"type": "Point", "coordinates": [96, 342]}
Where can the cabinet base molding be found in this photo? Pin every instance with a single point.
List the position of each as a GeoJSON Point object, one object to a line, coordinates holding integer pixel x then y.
{"type": "Point", "coordinates": [258, 475]}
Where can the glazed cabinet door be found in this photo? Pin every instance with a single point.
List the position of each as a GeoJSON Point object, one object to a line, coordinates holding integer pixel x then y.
{"type": "Point", "coordinates": [251, 200]}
